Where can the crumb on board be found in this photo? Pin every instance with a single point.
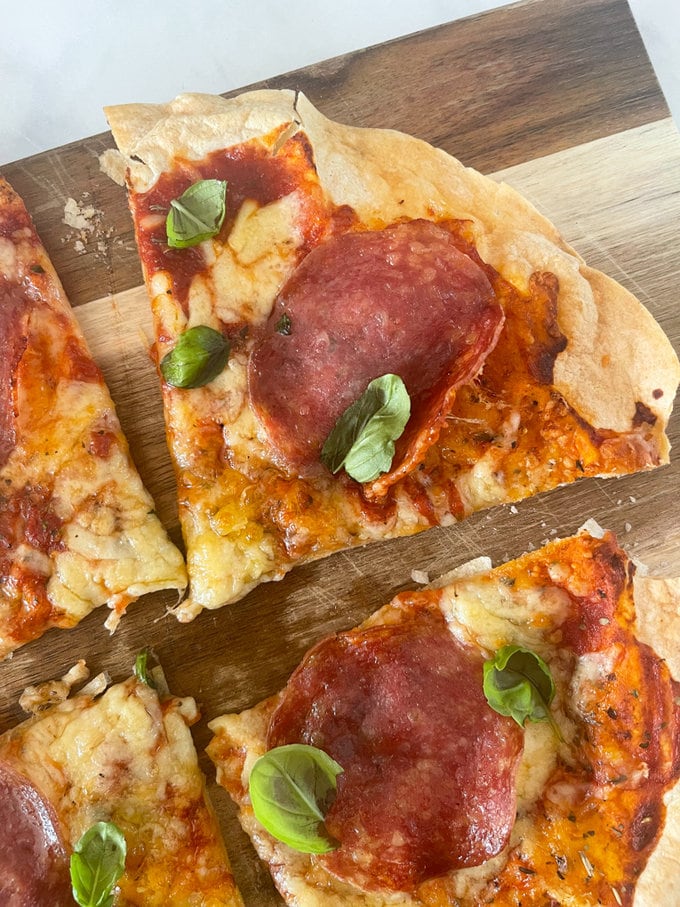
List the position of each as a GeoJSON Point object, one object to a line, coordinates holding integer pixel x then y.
{"type": "Point", "coordinates": [87, 232]}
{"type": "Point", "coordinates": [80, 216]}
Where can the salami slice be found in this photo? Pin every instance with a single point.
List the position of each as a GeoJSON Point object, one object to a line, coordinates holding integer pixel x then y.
{"type": "Point", "coordinates": [33, 864]}
{"type": "Point", "coordinates": [429, 768]}
{"type": "Point", "coordinates": [404, 300]}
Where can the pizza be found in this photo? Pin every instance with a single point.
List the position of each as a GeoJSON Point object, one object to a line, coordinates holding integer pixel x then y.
{"type": "Point", "coordinates": [359, 338]}
{"type": "Point", "coordinates": [462, 775]}
{"type": "Point", "coordinates": [77, 527]}
{"type": "Point", "coordinates": [119, 763]}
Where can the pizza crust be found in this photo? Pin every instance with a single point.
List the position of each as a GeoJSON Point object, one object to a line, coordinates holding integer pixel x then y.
{"type": "Point", "coordinates": [153, 136]}
{"type": "Point", "coordinates": [657, 608]}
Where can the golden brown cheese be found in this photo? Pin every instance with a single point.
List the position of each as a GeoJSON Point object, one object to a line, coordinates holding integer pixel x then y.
{"type": "Point", "coordinates": [128, 757]}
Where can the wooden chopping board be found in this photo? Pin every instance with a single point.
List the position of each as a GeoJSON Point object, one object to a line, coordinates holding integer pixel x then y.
{"type": "Point", "coordinates": [557, 98]}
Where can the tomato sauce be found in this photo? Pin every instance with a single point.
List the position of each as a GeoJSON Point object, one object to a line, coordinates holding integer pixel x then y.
{"type": "Point", "coordinates": [16, 220]}
{"type": "Point", "coordinates": [625, 754]}
{"type": "Point", "coordinates": [252, 172]}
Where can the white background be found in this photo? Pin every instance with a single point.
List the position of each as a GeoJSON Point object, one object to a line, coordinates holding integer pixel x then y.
{"type": "Point", "coordinates": [61, 61]}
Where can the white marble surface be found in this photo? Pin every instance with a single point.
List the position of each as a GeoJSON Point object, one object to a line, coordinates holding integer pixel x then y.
{"type": "Point", "coordinates": [62, 60]}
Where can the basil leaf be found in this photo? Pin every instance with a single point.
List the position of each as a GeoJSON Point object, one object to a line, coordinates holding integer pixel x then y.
{"type": "Point", "coordinates": [518, 683]}
{"type": "Point", "coordinates": [284, 325]}
{"type": "Point", "coordinates": [198, 357]}
{"type": "Point", "coordinates": [363, 438]}
{"type": "Point", "coordinates": [97, 863]}
{"type": "Point", "coordinates": [141, 671]}
{"type": "Point", "coordinates": [197, 214]}
{"type": "Point", "coordinates": [291, 789]}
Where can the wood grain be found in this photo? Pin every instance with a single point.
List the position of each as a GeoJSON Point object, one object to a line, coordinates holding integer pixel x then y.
{"type": "Point", "coordinates": [562, 97]}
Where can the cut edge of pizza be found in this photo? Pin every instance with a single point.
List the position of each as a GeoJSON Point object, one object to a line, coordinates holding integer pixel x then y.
{"type": "Point", "coordinates": [593, 782]}
{"type": "Point", "coordinates": [77, 527]}
{"type": "Point", "coordinates": [104, 762]}
{"type": "Point", "coordinates": [550, 370]}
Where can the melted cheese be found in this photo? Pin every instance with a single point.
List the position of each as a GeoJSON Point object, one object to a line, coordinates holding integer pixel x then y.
{"type": "Point", "coordinates": [574, 841]}
{"type": "Point", "coordinates": [8, 258]}
{"type": "Point", "coordinates": [113, 542]}
{"type": "Point", "coordinates": [92, 537]}
{"type": "Point", "coordinates": [127, 758]}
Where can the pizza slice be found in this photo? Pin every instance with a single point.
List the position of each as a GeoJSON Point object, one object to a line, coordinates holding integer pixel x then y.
{"type": "Point", "coordinates": [103, 801]}
{"type": "Point", "coordinates": [509, 736]}
{"type": "Point", "coordinates": [359, 338]}
{"type": "Point", "coordinates": [77, 527]}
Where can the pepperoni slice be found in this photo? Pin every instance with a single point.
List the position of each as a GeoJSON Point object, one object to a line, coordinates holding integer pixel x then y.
{"type": "Point", "coordinates": [429, 769]}
{"type": "Point", "coordinates": [33, 863]}
{"type": "Point", "coordinates": [403, 300]}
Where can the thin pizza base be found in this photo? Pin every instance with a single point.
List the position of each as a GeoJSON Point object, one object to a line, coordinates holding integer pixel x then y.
{"type": "Point", "coordinates": [78, 528]}
{"type": "Point", "coordinates": [617, 369]}
{"type": "Point", "coordinates": [126, 755]}
{"type": "Point", "coordinates": [481, 606]}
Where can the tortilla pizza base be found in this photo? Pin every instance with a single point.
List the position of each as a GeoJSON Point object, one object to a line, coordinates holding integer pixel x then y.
{"type": "Point", "coordinates": [617, 366]}
{"type": "Point", "coordinates": [478, 607]}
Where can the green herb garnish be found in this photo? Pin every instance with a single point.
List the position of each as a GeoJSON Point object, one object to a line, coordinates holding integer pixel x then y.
{"type": "Point", "coordinates": [363, 438]}
{"type": "Point", "coordinates": [198, 357]}
{"type": "Point", "coordinates": [141, 669]}
{"type": "Point", "coordinates": [197, 214]}
{"type": "Point", "coordinates": [284, 325]}
{"type": "Point", "coordinates": [98, 861]}
{"type": "Point", "coordinates": [291, 790]}
{"type": "Point", "coordinates": [518, 683]}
